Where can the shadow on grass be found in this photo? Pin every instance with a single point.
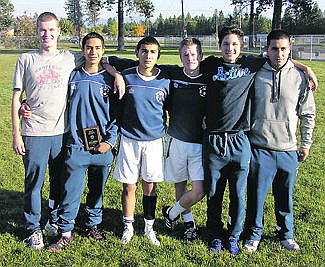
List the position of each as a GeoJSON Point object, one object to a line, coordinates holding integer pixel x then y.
{"type": "Point", "coordinates": [12, 220]}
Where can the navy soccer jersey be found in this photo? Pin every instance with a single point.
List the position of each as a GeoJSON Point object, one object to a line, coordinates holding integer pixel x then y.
{"type": "Point", "coordinates": [186, 106]}
{"type": "Point", "coordinates": [92, 103]}
{"type": "Point", "coordinates": [228, 86]}
{"type": "Point", "coordinates": [143, 114]}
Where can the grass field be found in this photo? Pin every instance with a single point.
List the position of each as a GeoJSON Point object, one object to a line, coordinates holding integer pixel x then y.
{"type": "Point", "coordinates": [309, 208]}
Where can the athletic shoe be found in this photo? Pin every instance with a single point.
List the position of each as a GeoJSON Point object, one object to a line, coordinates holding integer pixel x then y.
{"type": "Point", "coordinates": [151, 235]}
{"type": "Point", "coordinates": [215, 245]}
{"type": "Point", "coordinates": [190, 233]}
{"type": "Point", "coordinates": [94, 233]}
{"type": "Point", "coordinates": [127, 235]}
{"type": "Point", "coordinates": [169, 223]}
{"type": "Point", "coordinates": [61, 244]}
{"type": "Point", "coordinates": [251, 245]}
{"type": "Point", "coordinates": [35, 240]}
{"type": "Point", "coordinates": [51, 229]}
{"type": "Point", "coordinates": [290, 244]}
{"type": "Point", "coordinates": [232, 246]}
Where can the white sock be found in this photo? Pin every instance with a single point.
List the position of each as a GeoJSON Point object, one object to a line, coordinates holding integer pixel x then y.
{"type": "Point", "coordinates": [176, 210]}
{"type": "Point", "coordinates": [148, 225]}
{"type": "Point", "coordinates": [128, 222]}
{"type": "Point", "coordinates": [188, 217]}
{"type": "Point", "coordinates": [67, 234]}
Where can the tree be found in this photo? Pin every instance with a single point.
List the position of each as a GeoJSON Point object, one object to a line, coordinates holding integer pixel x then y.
{"type": "Point", "coordinates": [145, 8]}
{"type": "Point", "coordinates": [66, 26]}
{"type": "Point", "coordinates": [113, 28]}
{"type": "Point", "coordinates": [74, 13]}
{"type": "Point", "coordinates": [6, 14]}
{"type": "Point", "coordinates": [138, 30]}
{"type": "Point", "coordinates": [120, 26]}
{"type": "Point", "coordinates": [92, 11]}
{"type": "Point", "coordinates": [25, 26]}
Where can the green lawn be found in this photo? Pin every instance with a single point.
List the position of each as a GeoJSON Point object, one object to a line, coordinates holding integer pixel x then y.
{"type": "Point", "coordinates": [309, 201]}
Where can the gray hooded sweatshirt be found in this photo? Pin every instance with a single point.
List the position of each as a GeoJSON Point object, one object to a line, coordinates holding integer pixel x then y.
{"type": "Point", "coordinates": [281, 97]}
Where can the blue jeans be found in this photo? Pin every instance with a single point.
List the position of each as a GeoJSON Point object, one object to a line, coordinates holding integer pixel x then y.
{"type": "Point", "coordinates": [77, 162]}
{"type": "Point", "coordinates": [40, 152]}
{"type": "Point", "coordinates": [226, 156]}
{"type": "Point", "coordinates": [279, 170]}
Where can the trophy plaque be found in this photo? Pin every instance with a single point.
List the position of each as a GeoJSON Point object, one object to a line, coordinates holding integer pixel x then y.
{"type": "Point", "coordinates": [91, 137]}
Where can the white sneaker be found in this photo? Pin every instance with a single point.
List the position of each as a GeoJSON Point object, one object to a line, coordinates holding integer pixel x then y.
{"type": "Point", "coordinates": [51, 229]}
{"type": "Point", "coordinates": [251, 245]}
{"type": "Point", "coordinates": [35, 240]}
{"type": "Point", "coordinates": [151, 235]}
{"type": "Point", "coordinates": [127, 235]}
{"type": "Point", "coordinates": [290, 244]}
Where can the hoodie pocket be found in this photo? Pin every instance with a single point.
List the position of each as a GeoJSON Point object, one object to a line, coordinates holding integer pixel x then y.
{"type": "Point", "coordinates": [272, 132]}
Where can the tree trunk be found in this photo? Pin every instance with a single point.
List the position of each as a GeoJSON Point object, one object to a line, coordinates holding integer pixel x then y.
{"type": "Point", "coordinates": [120, 18]}
{"type": "Point", "coordinates": [251, 24]}
{"type": "Point", "coordinates": [276, 20]}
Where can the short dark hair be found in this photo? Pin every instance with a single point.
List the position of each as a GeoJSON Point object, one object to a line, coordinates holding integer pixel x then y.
{"type": "Point", "coordinates": [191, 41]}
{"type": "Point", "coordinates": [231, 30]}
{"type": "Point", "coordinates": [47, 16]}
{"type": "Point", "coordinates": [148, 40]}
{"type": "Point", "coordinates": [90, 36]}
{"type": "Point", "coordinates": [276, 35]}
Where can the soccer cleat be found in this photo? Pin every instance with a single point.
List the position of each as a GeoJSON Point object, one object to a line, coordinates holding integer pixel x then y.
{"type": "Point", "coordinates": [127, 235]}
{"type": "Point", "coordinates": [190, 232]}
{"type": "Point", "coordinates": [251, 245]}
{"type": "Point", "coordinates": [215, 245]}
{"type": "Point", "coordinates": [290, 244]}
{"type": "Point", "coordinates": [169, 223]}
{"type": "Point", "coordinates": [151, 235]}
{"type": "Point", "coordinates": [61, 244]}
{"type": "Point", "coordinates": [94, 233]}
{"type": "Point", "coordinates": [232, 246]}
{"type": "Point", "coordinates": [51, 229]}
{"type": "Point", "coordinates": [35, 240]}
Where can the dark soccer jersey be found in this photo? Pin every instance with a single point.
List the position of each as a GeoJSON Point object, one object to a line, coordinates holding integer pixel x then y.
{"type": "Point", "coordinates": [228, 86]}
{"type": "Point", "coordinates": [187, 105]}
{"type": "Point", "coordinates": [92, 102]}
{"type": "Point", "coordinates": [143, 115]}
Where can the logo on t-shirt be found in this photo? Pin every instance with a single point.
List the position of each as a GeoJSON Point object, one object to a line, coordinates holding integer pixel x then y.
{"type": "Point", "coordinates": [233, 73]}
{"type": "Point", "coordinates": [203, 91]}
{"type": "Point", "coordinates": [104, 90]}
{"type": "Point", "coordinates": [160, 96]}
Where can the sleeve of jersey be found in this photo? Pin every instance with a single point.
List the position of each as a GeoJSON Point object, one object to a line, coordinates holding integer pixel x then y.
{"type": "Point", "coordinates": [18, 76]}
{"type": "Point", "coordinates": [79, 60]}
{"type": "Point", "coordinates": [122, 63]}
{"type": "Point", "coordinates": [307, 114]}
{"type": "Point", "coordinates": [206, 64]}
{"type": "Point", "coordinates": [255, 61]}
{"type": "Point", "coordinates": [112, 128]}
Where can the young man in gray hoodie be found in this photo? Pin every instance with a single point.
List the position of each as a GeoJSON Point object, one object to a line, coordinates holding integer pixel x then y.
{"type": "Point", "coordinates": [281, 98]}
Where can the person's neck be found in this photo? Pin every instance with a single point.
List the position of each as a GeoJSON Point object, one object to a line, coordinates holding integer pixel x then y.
{"type": "Point", "coordinates": [148, 72]}
{"type": "Point", "coordinates": [49, 50]}
{"type": "Point", "coordinates": [92, 68]}
{"type": "Point", "coordinates": [192, 73]}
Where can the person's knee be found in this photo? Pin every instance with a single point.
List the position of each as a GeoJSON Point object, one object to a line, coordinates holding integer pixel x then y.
{"type": "Point", "coordinates": [198, 191]}
{"type": "Point", "coordinates": [149, 189]}
{"type": "Point", "coordinates": [129, 188]}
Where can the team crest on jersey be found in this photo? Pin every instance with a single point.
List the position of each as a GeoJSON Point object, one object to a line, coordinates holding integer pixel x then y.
{"type": "Point", "coordinates": [160, 96]}
{"type": "Point", "coordinates": [73, 86]}
{"type": "Point", "coordinates": [104, 90]}
{"type": "Point", "coordinates": [203, 91]}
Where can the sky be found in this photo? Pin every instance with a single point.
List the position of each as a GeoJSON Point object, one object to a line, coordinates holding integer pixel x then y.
{"type": "Point", "coordinates": [165, 7]}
